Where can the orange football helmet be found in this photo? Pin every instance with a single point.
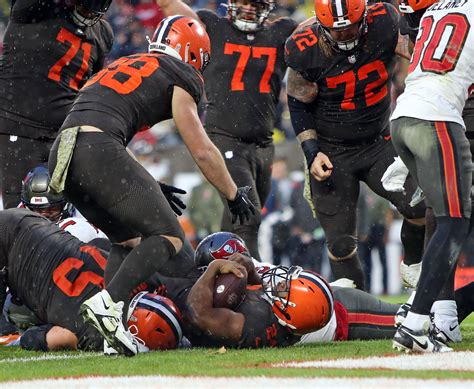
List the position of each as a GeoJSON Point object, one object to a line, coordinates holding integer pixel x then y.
{"type": "Point", "coordinates": [301, 300]}
{"type": "Point", "coordinates": [410, 6]}
{"type": "Point", "coordinates": [339, 15]}
{"type": "Point", "coordinates": [183, 38]}
{"type": "Point", "coordinates": [156, 320]}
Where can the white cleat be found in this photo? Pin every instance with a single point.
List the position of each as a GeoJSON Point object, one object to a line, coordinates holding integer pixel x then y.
{"type": "Point", "coordinates": [106, 317]}
{"type": "Point", "coordinates": [445, 329]}
{"type": "Point", "coordinates": [421, 341]}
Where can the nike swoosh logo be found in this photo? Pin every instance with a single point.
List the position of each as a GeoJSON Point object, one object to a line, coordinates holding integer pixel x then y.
{"type": "Point", "coordinates": [105, 305]}
{"type": "Point", "coordinates": [453, 328]}
{"type": "Point", "coordinates": [424, 346]}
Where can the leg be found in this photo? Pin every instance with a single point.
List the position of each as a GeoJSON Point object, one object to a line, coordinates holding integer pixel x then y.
{"type": "Point", "coordinates": [437, 153]}
{"type": "Point", "coordinates": [246, 165]}
{"type": "Point", "coordinates": [17, 158]}
{"type": "Point", "coordinates": [413, 230]}
{"type": "Point", "coordinates": [335, 201]}
{"type": "Point", "coordinates": [369, 317]}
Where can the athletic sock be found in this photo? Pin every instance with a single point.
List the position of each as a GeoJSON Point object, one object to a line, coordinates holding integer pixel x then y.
{"type": "Point", "coordinates": [416, 322]}
{"type": "Point", "coordinates": [438, 261]}
{"type": "Point", "coordinates": [413, 238]}
{"type": "Point", "coordinates": [150, 256]}
{"type": "Point", "coordinates": [350, 268]}
{"type": "Point", "coordinates": [116, 256]}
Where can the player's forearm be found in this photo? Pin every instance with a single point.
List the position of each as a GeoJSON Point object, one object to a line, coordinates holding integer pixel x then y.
{"type": "Point", "coordinates": [176, 7]}
{"type": "Point", "coordinates": [212, 165]}
{"type": "Point", "coordinates": [199, 301]}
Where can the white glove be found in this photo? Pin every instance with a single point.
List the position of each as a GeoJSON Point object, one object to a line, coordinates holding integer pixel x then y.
{"type": "Point", "coordinates": [344, 283]}
{"type": "Point", "coordinates": [394, 177]}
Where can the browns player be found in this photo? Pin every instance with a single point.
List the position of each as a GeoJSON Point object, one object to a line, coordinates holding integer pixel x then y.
{"type": "Point", "coordinates": [111, 189]}
{"type": "Point", "coordinates": [52, 273]}
{"type": "Point", "coordinates": [50, 49]}
{"type": "Point", "coordinates": [339, 99]}
{"type": "Point", "coordinates": [244, 78]}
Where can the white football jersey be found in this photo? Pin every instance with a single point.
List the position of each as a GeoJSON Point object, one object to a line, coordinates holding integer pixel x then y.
{"type": "Point", "coordinates": [442, 65]}
{"type": "Point", "coordinates": [81, 229]}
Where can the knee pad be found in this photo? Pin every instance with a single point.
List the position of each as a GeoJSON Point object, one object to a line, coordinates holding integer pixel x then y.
{"type": "Point", "coordinates": [343, 247]}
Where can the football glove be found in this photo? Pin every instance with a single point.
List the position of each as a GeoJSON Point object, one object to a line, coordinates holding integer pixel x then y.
{"type": "Point", "coordinates": [241, 207]}
{"type": "Point", "coordinates": [393, 180]}
{"type": "Point", "coordinates": [174, 201]}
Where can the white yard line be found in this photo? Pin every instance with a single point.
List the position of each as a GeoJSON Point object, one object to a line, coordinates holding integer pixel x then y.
{"type": "Point", "coordinates": [168, 382]}
{"type": "Point", "coordinates": [50, 357]}
{"type": "Point", "coordinates": [460, 361]}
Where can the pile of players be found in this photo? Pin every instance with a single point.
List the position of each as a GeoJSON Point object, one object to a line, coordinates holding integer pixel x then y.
{"type": "Point", "coordinates": [340, 67]}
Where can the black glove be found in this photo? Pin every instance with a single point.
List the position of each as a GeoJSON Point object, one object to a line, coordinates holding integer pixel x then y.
{"type": "Point", "coordinates": [241, 206]}
{"type": "Point", "coordinates": [174, 201]}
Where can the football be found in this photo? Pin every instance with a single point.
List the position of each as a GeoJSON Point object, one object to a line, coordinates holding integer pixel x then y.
{"type": "Point", "coordinates": [229, 291]}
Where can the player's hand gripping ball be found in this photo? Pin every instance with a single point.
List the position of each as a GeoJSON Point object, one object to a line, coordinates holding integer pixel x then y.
{"type": "Point", "coordinates": [229, 291]}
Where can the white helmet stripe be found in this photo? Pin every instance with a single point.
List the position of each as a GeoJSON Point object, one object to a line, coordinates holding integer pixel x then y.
{"type": "Point", "coordinates": [166, 26]}
{"type": "Point", "coordinates": [339, 10]}
{"type": "Point", "coordinates": [163, 308]}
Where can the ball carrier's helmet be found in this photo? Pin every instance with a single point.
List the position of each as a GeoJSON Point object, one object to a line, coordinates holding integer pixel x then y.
{"type": "Point", "coordinates": [36, 196]}
{"type": "Point", "coordinates": [249, 20]}
{"type": "Point", "coordinates": [86, 13]}
{"type": "Point", "coordinates": [182, 38]}
{"type": "Point", "coordinates": [156, 320]}
{"type": "Point", "coordinates": [220, 245]}
{"type": "Point", "coordinates": [340, 15]}
{"type": "Point", "coordinates": [301, 300]}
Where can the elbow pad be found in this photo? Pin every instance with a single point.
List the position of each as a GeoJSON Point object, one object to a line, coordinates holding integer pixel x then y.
{"type": "Point", "coordinates": [34, 338]}
{"type": "Point", "coordinates": [301, 117]}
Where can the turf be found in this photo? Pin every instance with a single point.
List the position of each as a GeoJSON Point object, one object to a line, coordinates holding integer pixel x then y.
{"type": "Point", "coordinates": [14, 363]}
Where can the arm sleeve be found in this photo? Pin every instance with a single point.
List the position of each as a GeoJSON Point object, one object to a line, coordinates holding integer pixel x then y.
{"type": "Point", "coordinates": [34, 338]}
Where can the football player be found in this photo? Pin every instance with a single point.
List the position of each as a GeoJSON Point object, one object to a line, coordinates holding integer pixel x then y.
{"type": "Point", "coordinates": [432, 143]}
{"type": "Point", "coordinates": [339, 97]}
{"type": "Point", "coordinates": [90, 162]}
{"type": "Point", "coordinates": [243, 83]}
{"type": "Point", "coordinates": [444, 316]}
{"type": "Point", "coordinates": [354, 314]}
{"type": "Point", "coordinates": [50, 49]}
{"type": "Point", "coordinates": [53, 273]}
{"type": "Point", "coordinates": [37, 198]}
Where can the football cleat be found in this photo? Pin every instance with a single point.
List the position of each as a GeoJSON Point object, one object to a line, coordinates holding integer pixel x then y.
{"type": "Point", "coordinates": [401, 314]}
{"type": "Point", "coordinates": [445, 328]}
{"type": "Point", "coordinates": [410, 274]}
{"type": "Point", "coordinates": [421, 341]}
{"type": "Point", "coordinates": [112, 352]}
{"type": "Point", "coordinates": [106, 317]}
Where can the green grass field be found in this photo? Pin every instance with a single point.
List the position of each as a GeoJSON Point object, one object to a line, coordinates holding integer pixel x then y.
{"type": "Point", "coordinates": [16, 364]}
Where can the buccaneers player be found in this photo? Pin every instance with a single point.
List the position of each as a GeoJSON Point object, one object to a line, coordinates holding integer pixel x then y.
{"type": "Point", "coordinates": [432, 143]}
{"type": "Point", "coordinates": [111, 189]}
{"type": "Point", "coordinates": [50, 49]}
{"type": "Point", "coordinates": [243, 83]}
{"type": "Point", "coordinates": [339, 99]}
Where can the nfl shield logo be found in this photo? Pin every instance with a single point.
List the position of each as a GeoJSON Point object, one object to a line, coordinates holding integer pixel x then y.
{"type": "Point", "coordinates": [352, 59]}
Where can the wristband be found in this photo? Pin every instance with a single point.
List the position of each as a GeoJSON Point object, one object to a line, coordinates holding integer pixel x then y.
{"type": "Point", "coordinates": [310, 149]}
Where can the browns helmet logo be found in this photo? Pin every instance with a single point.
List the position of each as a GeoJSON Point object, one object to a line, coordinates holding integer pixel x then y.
{"type": "Point", "coordinates": [229, 247]}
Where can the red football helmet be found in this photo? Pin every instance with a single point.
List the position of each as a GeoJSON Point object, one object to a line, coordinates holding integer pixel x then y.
{"type": "Point", "coordinates": [301, 300]}
{"type": "Point", "coordinates": [156, 320]}
{"type": "Point", "coordinates": [182, 38]}
{"type": "Point", "coordinates": [220, 245]}
{"type": "Point", "coordinates": [411, 6]}
{"type": "Point", "coordinates": [339, 16]}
